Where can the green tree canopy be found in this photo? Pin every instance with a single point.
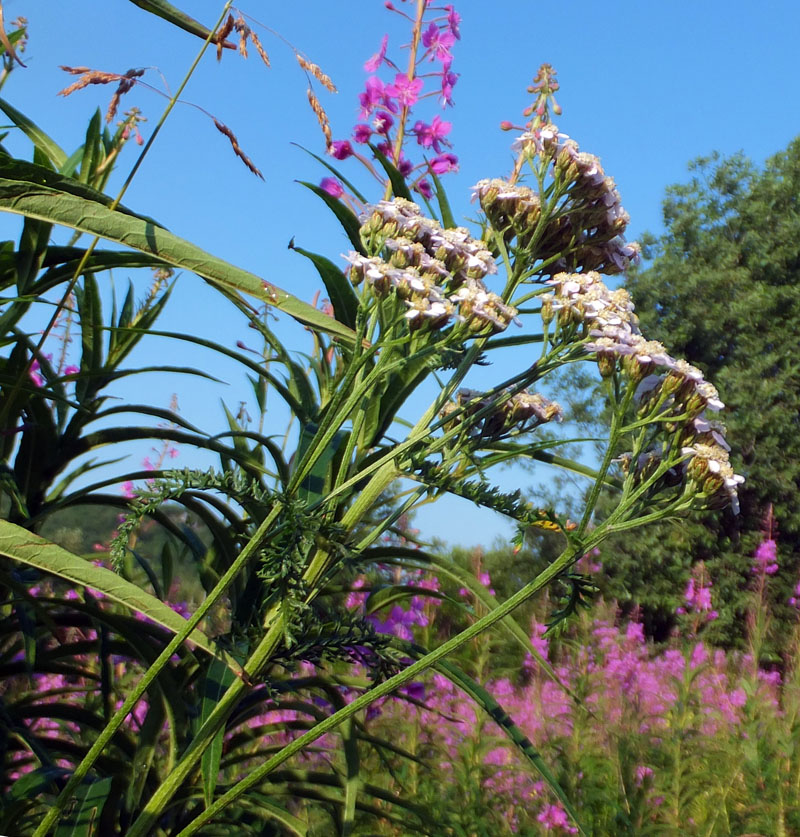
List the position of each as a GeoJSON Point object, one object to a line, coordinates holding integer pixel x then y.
{"type": "Point", "coordinates": [723, 289]}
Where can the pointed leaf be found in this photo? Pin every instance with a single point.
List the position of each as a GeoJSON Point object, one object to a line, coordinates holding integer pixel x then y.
{"type": "Point", "coordinates": [345, 215]}
{"type": "Point", "coordinates": [448, 221]}
{"type": "Point", "coordinates": [341, 293]}
{"type": "Point", "coordinates": [175, 16]}
{"type": "Point", "coordinates": [83, 821]}
{"type": "Point", "coordinates": [23, 546]}
{"type": "Point", "coordinates": [35, 134]}
{"type": "Point", "coordinates": [32, 197]}
{"type": "Point", "coordinates": [399, 185]}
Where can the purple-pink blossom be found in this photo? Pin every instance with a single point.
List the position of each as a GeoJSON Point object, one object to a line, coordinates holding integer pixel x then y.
{"type": "Point", "coordinates": [766, 557]}
{"type": "Point", "coordinates": [432, 135]}
{"type": "Point", "coordinates": [362, 133]}
{"type": "Point", "coordinates": [340, 149]}
{"type": "Point", "coordinates": [444, 163]}
{"type": "Point", "coordinates": [332, 186]}
{"type": "Point", "coordinates": [405, 90]}
{"type": "Point", "coordinates": [373, 63]}
{"type": "Point", "coordinates": [438, 42]}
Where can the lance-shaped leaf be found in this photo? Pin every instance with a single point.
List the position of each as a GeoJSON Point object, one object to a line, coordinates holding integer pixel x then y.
{"type": "Point", "coordinates": [175, 16]}
{"type": "Point", "coordinates": [23, 546]}
{"type": "Point", "coordinates": [33, 192]}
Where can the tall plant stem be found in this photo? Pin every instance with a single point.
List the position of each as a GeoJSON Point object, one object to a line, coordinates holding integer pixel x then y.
{"type": "Point", "coordinates": [152, 672]}
{"type": "Point", "coordinates": [387, 687]}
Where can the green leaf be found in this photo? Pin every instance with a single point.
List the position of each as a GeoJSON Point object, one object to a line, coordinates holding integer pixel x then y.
{"type": "Point", "coordinates": [83, 822]}
{"type": "Point", "coordinates": [340, 291]}
{"type": "Point", "coordinates": [25, 191]}
{"type": "Point", "coordinates": [448, 221]}
{"type": "Point", "coordinates": [23, 546]}
{"type": "Point", "coordinates": [215, 684]}
{"type": "Point", "coordinates": [176, 17]}
{"type": "Point", "coordinates": [35, 134]}
{"type": "Point", "coordinates": [345, 216]}
{"type": "Point", "coordinates": [92, 150]}
{"type": "Point", "coordinates": [399, 185]}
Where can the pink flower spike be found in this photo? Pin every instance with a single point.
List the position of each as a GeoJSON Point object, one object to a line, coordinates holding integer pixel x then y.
{"type": "Point", "coordinates": [340, 149]}
{"type": "Point", "coordinates": [372, 65]}
{"type": "Point", "coordinates": [405, 90]}
{"type": "Point", "coordinates": [33, 373]}
{"type": "Point", "coordinates": [444, 163]}
{"type": "Point", "coordinates": [332, 186]}
{"type": "Point", "coordinates": [362, 133]}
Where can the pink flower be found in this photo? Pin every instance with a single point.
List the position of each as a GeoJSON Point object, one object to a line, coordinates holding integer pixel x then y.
{"type": "Point", "coordinates": [340, 149]}
{"type": "Point", "coordinates": [383, 122]}
{"type": "Point", "coordinates": [405, 90]}
{"type": "Point", "coordinates": [71, 370]}
{"type": "Point", "coordinates": [554, 816]}
{"type": "Point", "coordinates": [372, 65]}
{"type": "Point", "coordinates": [375, 93]}
{"type": "Point", "coordinates": [766, 557]}
{"type": "Point", "coordinates": [362, 133]}
{"type": "Point", "coordinates": [433, 135]}
{"type": "Point", "coordinates": [444, 163]}
{"type": "Point", "coordinates": [453, 20]}
{"type": "Point", "coordinates": [449, 80]}
{"type": "Point", "coordinates": [128, 490]}
{"type": "Point", "coordinates": [332, 186]}
{"type": "Point", "coordinates": [424, 188]}
{"type": "Point", "coordinates": [438, 42]}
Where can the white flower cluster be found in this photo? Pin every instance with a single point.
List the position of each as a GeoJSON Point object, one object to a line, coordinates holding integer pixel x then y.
{"type": "Point", "coordinates": [438, 273]}
{"type": "Point", "coordinates": [668, 385]}
{"type": "Point", "coordinates": [522, 411]}
{"type": "Point", "coordinates": [594, 219]}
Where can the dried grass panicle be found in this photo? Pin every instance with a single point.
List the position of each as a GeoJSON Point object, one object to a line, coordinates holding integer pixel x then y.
{"type": "Point", "coordinates": [322, 117]}
{"type": "Point", "coordinates": [254, 39]}
{"type": "Point", "coordinates": [315, 71]}
{"type": "Point", "coordinates": [237, 149]}
{"type": "Point", "coordinates": [222, 34]}
{"type": "Point", "coordinates": [126, 83]}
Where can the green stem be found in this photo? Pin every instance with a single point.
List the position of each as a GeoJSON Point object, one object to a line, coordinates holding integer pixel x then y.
{"type": "Point", "coordinates": [152, 672]}
{"type": "Point", "coordinates": [561, 563]}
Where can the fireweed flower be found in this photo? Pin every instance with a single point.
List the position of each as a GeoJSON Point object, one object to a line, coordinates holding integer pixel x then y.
{"type": "Point", "coordinates": [438, 42]}
{"type": "Point", "coordinates": [444, 163]}
{"type": "Point", "coordinates": [432, 135]}
{"type": "Point", "coordinates": [375, 62]}
{"type": "Point", "coordinates": [340, 149]}
{"type": "Point", "coordinates": [332, 186]}
{"type": "Point", "coordinates": [405, 90]}
{"type": "Point", "coordinates": [766, 557]}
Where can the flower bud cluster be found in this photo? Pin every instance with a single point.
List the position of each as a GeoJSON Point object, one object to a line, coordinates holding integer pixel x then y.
{"type": "Point", "coordinates": [588, 229]}
{"type": "Point", "coordinates": [438, 273]}
{"type": "Point", "coordinates": [522, 411]}
{"type": "Point", "coordinates": [668, 387]}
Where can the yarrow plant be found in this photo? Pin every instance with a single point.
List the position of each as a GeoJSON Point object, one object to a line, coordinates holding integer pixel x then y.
{"type": "Point", "coordinates": [415, 305]}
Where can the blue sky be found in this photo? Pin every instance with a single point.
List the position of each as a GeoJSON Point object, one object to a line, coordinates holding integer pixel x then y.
{"type": "Point", "coordinates": [646, 86]}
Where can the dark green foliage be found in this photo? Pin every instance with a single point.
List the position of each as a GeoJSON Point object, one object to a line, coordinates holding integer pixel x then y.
{"type": "Point", "coordinates": [723, 291]}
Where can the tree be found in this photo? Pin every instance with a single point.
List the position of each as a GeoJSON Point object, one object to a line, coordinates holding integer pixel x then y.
{"type": "Point", "coordinates": [723, 289]}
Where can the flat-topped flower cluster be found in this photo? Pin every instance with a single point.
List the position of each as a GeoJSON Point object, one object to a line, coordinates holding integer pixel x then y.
{"type": "Point", "coordinates": [438, 273]}
{"type": "Point", "coordinates": [668, 388]}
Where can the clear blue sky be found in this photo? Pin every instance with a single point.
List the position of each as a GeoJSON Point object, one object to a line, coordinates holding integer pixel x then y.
{"type": "Point", "coordinates": [645, 85]}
